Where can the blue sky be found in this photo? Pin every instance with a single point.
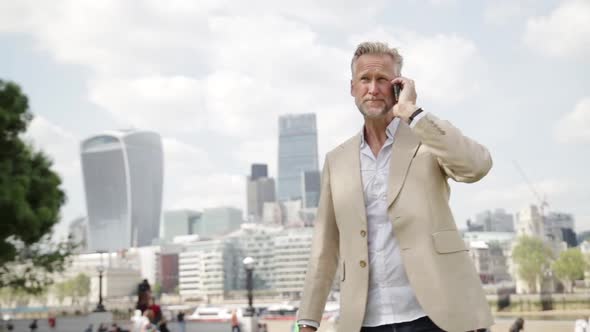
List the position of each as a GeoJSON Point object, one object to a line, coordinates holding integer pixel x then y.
{"type": "Point", "coordinates": [213, 76]}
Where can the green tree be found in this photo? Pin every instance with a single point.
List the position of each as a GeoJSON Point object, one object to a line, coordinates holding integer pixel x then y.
{"type": "Point", "coordinates": [61, 291]}
{"type": "Point", "coordinates": [80, 287]}
{"type": "Point", "coordinates": [570, 266]}
{"type": "Point", "coordinates": [30, 200]}
{"type": "Point", "coordinates": [157, 290]}
{"type": "Point", "coordinates": [532, 257]}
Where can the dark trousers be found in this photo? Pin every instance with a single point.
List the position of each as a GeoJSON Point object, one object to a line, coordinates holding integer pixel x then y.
{"type": "Point", "coordinates": [423, 324]}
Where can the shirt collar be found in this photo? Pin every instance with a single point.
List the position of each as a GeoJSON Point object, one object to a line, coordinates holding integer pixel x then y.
{"type": "Point", "coordinates": [389, 131]}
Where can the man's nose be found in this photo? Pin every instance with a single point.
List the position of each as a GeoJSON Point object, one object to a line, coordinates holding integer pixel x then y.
{"type": "Point", "coordinates": [373, 88]}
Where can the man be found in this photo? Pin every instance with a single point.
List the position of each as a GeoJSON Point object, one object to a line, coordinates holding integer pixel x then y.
{"type": "Point", "coordinates": [384, 217]}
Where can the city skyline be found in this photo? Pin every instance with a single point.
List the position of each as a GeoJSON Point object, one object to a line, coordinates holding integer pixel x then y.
{"type": "Point", "coordinates": [483, 66]}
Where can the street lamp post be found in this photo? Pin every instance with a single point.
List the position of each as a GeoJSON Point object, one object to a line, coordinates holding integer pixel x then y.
{"type": "Point", "coordinates": [100, 268]}
{"type": "Point", "coordinates": [249, 266]}
{"type": "Point", "coordinates": [547, 289]}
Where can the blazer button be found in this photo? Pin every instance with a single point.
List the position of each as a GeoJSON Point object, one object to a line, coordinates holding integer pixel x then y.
{"type": "Point", "coordinates": [363, 233]}
{"type": "Point", "coordinates": [363, 264]}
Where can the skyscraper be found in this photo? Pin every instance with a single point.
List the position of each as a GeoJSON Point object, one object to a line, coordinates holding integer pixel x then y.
{"type": "Point", "coordinates": [123, 178]}
{"type": "Point", "coordinates": [298, 152]}
{"type": "Point", "coordinates": [259, 190]}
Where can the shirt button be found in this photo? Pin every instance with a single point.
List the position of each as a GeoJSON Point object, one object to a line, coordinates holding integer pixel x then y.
{"type": "Point", "coordinates": [363, 233]}
{"type": "Point", "coordinates": [363, 264]}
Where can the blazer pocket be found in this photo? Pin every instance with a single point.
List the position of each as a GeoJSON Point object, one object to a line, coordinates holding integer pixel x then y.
{"type": "Point", "coordinates": [447, 242]}
{"type": "Point", "coordinates": [342, 271]}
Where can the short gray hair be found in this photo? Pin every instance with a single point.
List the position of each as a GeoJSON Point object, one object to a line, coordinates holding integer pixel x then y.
{"type": "Point", "coordinates": [377, 48]}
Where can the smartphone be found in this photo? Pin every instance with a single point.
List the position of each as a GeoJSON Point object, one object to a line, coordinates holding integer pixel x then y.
{"type": "Point", "coordinates": [397, 87]}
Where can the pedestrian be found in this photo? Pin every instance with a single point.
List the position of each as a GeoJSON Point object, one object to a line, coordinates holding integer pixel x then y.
{"type": "Point", "coordinates": [235, 323]}
{"type": "Point", "coordinates": [102, 328]}
{"type": "Point", "coordinates": [158, 319]}
{"type": "Point", "coordinates": [517, 326]}
{"type": "Point", "coordinates": [33, 325]}
{"type": "Point", "coordinates": [181, 322]}
{"type": "Point", "coordinates": [147, 325]}
{"type": "Point", "coordinates": [156, 310]}
{"type": "Point", "coordinates": [51, 321]}
{"type": "Point", "coordinates": [144, 293]}
{"type": "Point", "coordinates": [89, 328]}
{"type": "Point", "coordinates": [384, 219]}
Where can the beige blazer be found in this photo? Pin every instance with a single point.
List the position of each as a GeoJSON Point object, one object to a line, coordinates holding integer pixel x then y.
{"type": "Point", "coordinates": [434, 255]}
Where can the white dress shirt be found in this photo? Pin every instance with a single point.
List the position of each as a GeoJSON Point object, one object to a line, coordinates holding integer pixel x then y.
{"type": "Point", "coordinates": [390, 298]}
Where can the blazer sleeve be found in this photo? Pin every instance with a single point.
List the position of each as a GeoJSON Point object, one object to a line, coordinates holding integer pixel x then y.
{"type": "Point", "coordinates": [323, 260]}
{"type": "Point", "coordinates": [460, 157]}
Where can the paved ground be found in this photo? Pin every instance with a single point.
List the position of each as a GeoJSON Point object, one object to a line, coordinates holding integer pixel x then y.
{"type": "Point", "coordinates": [79, 325]}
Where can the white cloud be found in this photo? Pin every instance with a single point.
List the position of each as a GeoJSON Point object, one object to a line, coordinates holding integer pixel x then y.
{"type": "Point", "coordinates": [563, 33]}
{"type": "Point", "coordinates": [184, 159]}
{"type": "Point", "coordinates": [169, 104]}
{"type": "Point", "coordinates": [575, 126]}
{"type": "Point", "coordinates": [60, 145]}
{"type": "Point", "coordinates": [502, 11]}
{"type": "Point", "coordinates": [130, 37]}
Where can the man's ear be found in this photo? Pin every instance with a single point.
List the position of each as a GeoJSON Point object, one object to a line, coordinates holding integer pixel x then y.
{"type": "Point", "coordinates": [351, 88]}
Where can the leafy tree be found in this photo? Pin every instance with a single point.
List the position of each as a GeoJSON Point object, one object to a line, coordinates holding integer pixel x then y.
{"type": "Point", "coordinates": [80, 286]}
{"type": "Point", "coordinates": [30, 200]}
{"type": "Point", "coordinates": [570, 266]}
{"type": "Point", "coordinates": [532, 257]}
{"type": "Point", "coordinates": [61, 291]}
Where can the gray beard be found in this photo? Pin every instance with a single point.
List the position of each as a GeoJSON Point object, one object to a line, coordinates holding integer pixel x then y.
{"type": "Point", "coordinates": [372, 116]}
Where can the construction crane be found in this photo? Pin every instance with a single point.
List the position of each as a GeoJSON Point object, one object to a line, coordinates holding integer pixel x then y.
{"type": "Point", "coordinates": [542, 200]}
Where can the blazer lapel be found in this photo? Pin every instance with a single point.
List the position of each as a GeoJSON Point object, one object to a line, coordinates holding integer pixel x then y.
{"type": "Point", "coordinates": [353, 177]}
{"type": "Point", "coordinates": [404, 148]}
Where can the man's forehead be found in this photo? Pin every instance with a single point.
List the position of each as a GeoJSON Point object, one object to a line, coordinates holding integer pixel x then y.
{"type": "Point", "coordinates": [371, 63]}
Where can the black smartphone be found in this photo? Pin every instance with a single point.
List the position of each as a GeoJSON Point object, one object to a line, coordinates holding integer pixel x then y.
{"type": "Point", "coordinates": [397, 87]}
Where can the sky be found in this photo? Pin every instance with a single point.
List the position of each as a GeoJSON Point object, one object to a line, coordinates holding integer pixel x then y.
{"type": "Point", "coordinates": [213, 76]}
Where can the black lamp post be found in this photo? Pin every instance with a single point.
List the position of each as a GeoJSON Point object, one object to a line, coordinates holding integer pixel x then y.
{"type": "Point", "coordinates": [249, 266]}
{"type": "Point", "coordinates": [100, 268]}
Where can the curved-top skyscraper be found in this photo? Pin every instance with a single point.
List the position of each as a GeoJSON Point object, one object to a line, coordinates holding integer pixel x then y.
{"type": "Point", "coordinates": [123, 179]}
